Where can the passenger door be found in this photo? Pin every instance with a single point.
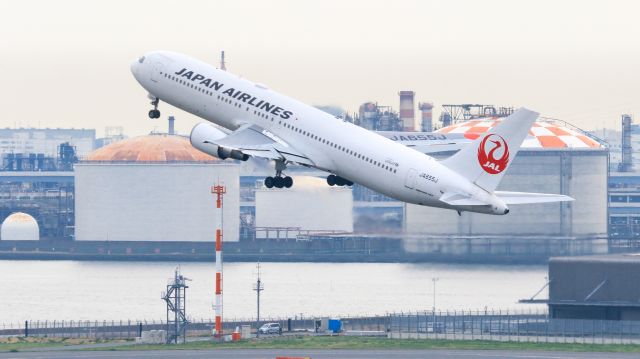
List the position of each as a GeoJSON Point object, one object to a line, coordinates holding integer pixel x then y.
{"type": "Point", "coordinates": [410, 181]}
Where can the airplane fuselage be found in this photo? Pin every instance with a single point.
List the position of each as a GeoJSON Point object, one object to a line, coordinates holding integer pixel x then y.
{"type": "Point", "coordinates": [334, 145]}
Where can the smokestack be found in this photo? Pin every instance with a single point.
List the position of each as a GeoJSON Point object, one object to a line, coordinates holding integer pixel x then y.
{"type": "Point", "coordinates": [407, 110]}
{"type": "Point", "coordinates": [172, 130]}
{"type": "Point", "coordinates": [426, 109]}
{"type": "Point", "coordinates": [627, 150]}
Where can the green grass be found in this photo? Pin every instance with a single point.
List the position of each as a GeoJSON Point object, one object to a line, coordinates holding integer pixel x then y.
{"type": "Point", "coordinates": [322, 342]}
{"type": "Point", "coordinates": [14, 344]}
{"type": "Point", "coordinates": [344, 342]}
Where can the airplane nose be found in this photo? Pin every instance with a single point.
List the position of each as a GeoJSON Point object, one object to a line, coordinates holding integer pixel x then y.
{"type": "Point", "coordinates": [134, 67]}
{"type": "Point", "coordinates": [506, 210]}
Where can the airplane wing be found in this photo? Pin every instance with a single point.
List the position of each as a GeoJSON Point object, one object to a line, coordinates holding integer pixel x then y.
{"type": "Point", "coordinates": [428, 142]}
{"type": "Point", "coordinates": [525, 197]}
{"type": "Point", "coordinates": [250, 140]}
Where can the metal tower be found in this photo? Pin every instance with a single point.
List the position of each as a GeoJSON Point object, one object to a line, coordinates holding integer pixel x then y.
{"type": "Point", "coordinates": [176, 299]}
{"type": "Point", "coordinates": [258, 287]}
{"type": "Point", "coordinates": [219, 192]}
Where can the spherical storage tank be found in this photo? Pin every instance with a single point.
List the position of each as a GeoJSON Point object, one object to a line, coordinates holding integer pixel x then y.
{"type": "Point", "coordinates": [154, 188]}
{"type": "Point", "coordinates": [20, 227]}
{"type": "Point", "coordinates": [554, 158]}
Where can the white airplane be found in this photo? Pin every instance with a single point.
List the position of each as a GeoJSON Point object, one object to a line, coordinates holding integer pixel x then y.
{"type": "Point", "coordinates": [254, 121]}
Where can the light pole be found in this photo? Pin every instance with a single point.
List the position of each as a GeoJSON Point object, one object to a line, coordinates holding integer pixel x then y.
{"type": "Point", "coordinates": [258, 287]}
{"type": "Point", "coordinates": [434, 280]}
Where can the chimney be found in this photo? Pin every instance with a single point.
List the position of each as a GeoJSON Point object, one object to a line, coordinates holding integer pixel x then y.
{"type": "Point", "coordinates": [172, 130]}
{"type": "Point", "coordinates": [223, 65]}
{"type": "Point", "coordinates": [426, 109]}
{"type": "Point", "coordinates": [407, 110]}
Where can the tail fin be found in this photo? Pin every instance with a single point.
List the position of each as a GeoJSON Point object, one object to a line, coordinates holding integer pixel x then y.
{"type": "Point", "coordinates": [485, 160]}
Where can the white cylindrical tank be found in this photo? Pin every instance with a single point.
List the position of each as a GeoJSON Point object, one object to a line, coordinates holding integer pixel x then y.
{"type": "Point", "coordinates": [20, 227]}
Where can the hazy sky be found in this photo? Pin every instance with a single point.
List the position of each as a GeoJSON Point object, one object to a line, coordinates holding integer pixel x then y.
{"type": "Point", "coordinates": [66, 63]}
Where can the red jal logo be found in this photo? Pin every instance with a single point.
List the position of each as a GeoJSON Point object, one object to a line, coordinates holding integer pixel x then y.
{"type": "Point", "coordinates": [488, 160]}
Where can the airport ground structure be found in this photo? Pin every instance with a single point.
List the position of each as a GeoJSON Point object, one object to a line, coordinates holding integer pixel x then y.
{"type": "Point", "coordinates": [489, 325]}
{"type": "Point", "coordinates": [595, 287]}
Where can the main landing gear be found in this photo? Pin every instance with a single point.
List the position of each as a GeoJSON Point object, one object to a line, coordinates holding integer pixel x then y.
{"type": "Point", "coordinates": [155, 113]}
{"type": "Point", "coordinates": [333, 180]}
{"type": "Point", "coordinates": [279, 181]}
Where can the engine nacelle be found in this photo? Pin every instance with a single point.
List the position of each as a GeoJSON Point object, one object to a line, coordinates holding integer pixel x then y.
{"type": "Point", "coordinates": [204, 137]}
{"type": "Point", "coordinates": [224, 153]}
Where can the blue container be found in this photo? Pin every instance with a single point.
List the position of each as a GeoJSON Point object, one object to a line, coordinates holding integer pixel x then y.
{"type": "Point", "coordinates": [335, 325]}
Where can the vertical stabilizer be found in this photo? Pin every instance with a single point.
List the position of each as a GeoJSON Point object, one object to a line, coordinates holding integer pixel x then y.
{"type": "Point", "coordinates": [485, 160]}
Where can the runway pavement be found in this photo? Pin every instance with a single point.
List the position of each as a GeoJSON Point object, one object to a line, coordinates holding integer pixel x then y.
{"type": "Point", "coordinates": [316, 354]}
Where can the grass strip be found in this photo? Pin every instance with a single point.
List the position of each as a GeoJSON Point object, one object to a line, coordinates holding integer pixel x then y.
{"type": "Point", "coordinates": [347, 342]}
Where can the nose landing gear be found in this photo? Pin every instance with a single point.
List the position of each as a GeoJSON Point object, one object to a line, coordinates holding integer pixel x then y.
{"type": "Point", "coordinates": [155, 113]}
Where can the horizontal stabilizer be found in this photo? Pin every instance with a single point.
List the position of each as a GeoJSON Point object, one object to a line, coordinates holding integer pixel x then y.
{"type": "Point", "coordinates": [525, 197]}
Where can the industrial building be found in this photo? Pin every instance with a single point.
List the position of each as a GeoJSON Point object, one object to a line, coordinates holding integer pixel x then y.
{"type": "Point", "coordinates": [153, 188]}
{"type": "Point", "coordinates": [375, 117]}
{"type": "Point", "coordinates": [46, 141]}
{"type": "Point", "coordinates": [595, 287]}
{"type": "Point", "coordinates": [555, 158]}
{"type": "Point", "coordinates": [624, 209]}
{"type": "Point", "coordinates": [624, 190]}
{"type": "Point", "coordinates": [308, 207]}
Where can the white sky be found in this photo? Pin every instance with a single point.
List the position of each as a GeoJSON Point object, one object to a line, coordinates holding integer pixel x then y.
{"type": "Point", "coordinates": [65, 63]}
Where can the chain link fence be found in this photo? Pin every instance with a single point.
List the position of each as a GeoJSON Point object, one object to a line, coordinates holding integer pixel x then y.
{"type": "Point", "coordinates": [535, 327]}
{"type": "Point", "coordinates": [129, 329]}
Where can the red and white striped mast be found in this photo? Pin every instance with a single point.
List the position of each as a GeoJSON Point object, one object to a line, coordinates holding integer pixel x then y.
{"type": "Point", "coordinates": [219, 191]}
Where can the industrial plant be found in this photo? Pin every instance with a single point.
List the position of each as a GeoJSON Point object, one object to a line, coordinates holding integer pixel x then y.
{"type": "Point", "coordinates": [118, 197]}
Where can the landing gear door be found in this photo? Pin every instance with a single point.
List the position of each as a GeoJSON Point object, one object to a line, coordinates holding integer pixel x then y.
{"type": "Point", "coordinates": [157, 69]}
{"type": "Point", "coordinates": [410, 181]}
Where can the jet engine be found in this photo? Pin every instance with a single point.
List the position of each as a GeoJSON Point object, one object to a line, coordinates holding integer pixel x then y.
{"type": "Point", "coordinates": [205, 138]}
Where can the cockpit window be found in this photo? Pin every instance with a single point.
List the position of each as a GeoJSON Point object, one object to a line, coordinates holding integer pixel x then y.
{"type": "Point", "coordinates": [141, 59]}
